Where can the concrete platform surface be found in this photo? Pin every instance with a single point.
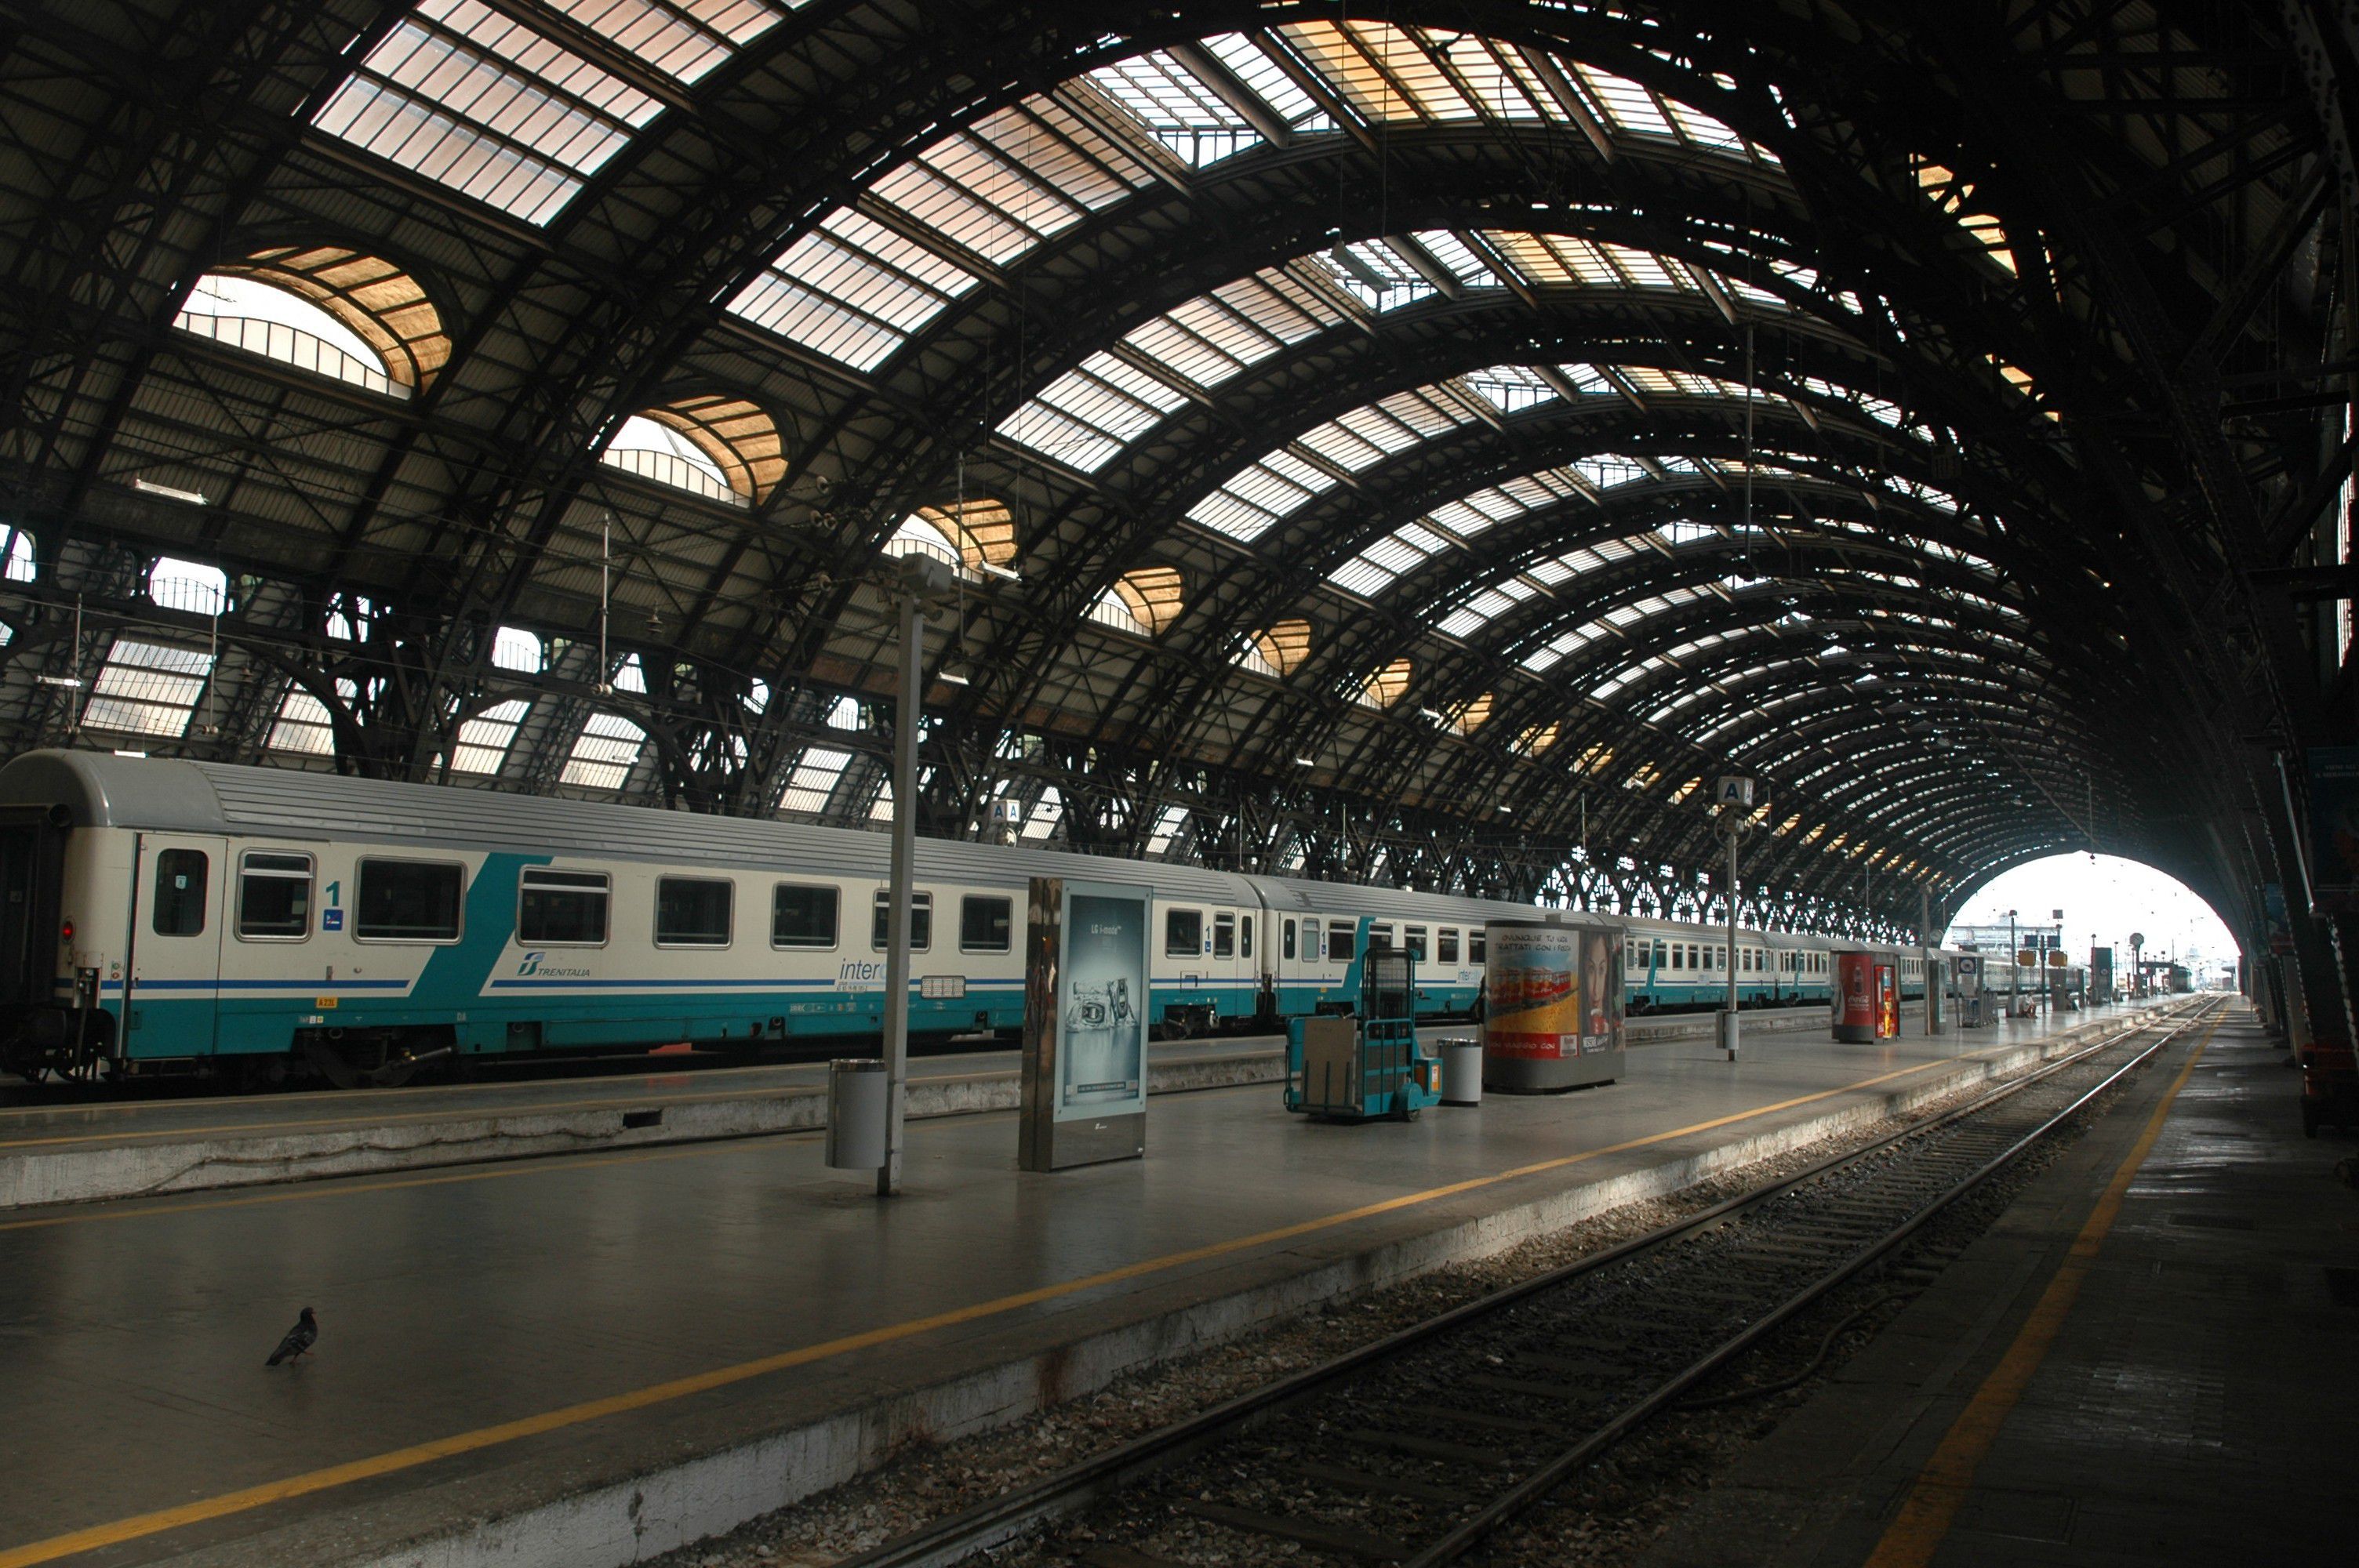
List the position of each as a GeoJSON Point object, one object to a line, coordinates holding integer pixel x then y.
{"type": "Point", "coordinates": [588, 1359]}
{"type": "Point", "coordinates": [84, 1152]}
{"type": "Point", "coordinates": [2166, 1376]}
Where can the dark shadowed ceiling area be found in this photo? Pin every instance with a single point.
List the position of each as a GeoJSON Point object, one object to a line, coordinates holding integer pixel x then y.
{"type": "Point", "coordinates": [1425, 443]}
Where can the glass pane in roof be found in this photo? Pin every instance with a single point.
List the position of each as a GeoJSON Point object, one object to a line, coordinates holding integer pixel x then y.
{"type": "Point", "coordinates": [1384, 72]}
{"type": "Point", "coordinates": [853, 290]}
{"type": "Point", "coordinates": [682, 39]}
{"type": "Point", "coordinates": [1511, 388]}
{"type": "Point", "coordinates": [1453, 253]}
{"type": "Point", "coordinates": [1254, 66]}
{"type": "Point", "coordinates": [1374, 274]}
{"type": "Point", "coordinates": [1623, 104]}
{"type": "Point", "coordinates": [470, 99]}
{"type": "Point", "coordinates": [1361, 576]}
{"type": "Point", "coordinates": [1176, 106]}
{"type": "Point", "coordinates": [1087, 415]}
{"type": "Point", "coordinates": [1053, 145]}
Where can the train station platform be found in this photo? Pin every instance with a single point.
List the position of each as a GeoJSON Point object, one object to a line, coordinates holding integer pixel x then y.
{"type": "Point", "coordinates": [79, 1153]}
{"type": "Point", "coordinates": [2150, 1359]}
{"type": "Point", "coordinates": [585, 1360]}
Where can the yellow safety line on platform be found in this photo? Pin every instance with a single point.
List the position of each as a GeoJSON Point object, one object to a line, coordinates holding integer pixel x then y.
{"type": "Point", "coordinates": [1940, 1489]}
{"type": "Point", "coordinates": [139, 1526]}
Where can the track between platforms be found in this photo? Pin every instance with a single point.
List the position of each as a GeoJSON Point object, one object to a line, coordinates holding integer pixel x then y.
{"type": "Point", "coordinates": [1420, 1446]}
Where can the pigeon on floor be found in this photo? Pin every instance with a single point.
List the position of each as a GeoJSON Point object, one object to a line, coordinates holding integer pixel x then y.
{"type": "Point", "coordinates": [299, 1339]}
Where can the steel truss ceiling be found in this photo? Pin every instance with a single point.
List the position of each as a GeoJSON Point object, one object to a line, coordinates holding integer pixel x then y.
{"type": "Point", "coordinates": [1880, 400]}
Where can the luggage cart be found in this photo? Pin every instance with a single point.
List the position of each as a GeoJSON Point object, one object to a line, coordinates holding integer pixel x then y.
{"type": "Point", "coordinates": [1370, 1064]}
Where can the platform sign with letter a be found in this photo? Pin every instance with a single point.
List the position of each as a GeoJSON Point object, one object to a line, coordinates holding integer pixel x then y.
{"type": "Point", "coordinates": [1733, 789]}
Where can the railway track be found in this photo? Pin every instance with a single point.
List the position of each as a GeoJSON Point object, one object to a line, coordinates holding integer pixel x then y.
{"type": "Point", "coordinates": [1418, 1448]}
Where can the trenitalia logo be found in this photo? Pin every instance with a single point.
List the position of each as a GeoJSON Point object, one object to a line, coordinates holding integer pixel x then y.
{"type": "Point", "coordinates": [531, 965]}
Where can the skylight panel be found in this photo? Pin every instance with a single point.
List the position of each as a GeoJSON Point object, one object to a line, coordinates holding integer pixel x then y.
{"type": "Point", "coordinates": [1049, 143]}
{"type": "Point", "coordinates": [1644, 268]}
{"type": "Point", "coordinates": [1511, 389]}
{"type": "Point", "coordinates": [148, 688]}
{"type": "Point", "coordinates": [1383, 73]}
{"type": "Point", "coordinates": [1702, 129]}
{"type": "Point", "coordinates": [1285, 304]}
{"type": "Point", "coordinates": [812, 784]}
{"type": "Point", "coordinates": [853, 290]}
{"type": "Point", "coordinates": [469, 98]}
{"type": "Point", "coordinates": [1346, 448]}
{"type": "Point", "coordinates": [1624, 104]}
{"type": "Point", "coordinates": [1465, 519]}
{"type": "Point", "coordinates": [1374, 274]}
{"type": "Point", "coordinates": [1177, 107]}
{"type": "Point", "coordinates": [1265, 485]}
{"type": "Point", "coordinates": [1421, 413]}
{"type": "Point", "coordinates": [1086, 416]}
{"type": "Point", "coordinates": [682, 39]}
{"type": "Point", "coordinates": [1605, 472]}
{"type": "Point", "coordinates": [1362, 575]}
{"type": "Point", "coordinates": [604, 753]}
{"type": "Point", "coordinates": [1554, 259]}
{"type": "Point", "coordinates": [1453, 253]}
{"type": "Point", "coordinates": [1425, 542]}
{"type": "Point", "coordinates": [303, 725]}
{"type": "Point", "coordinates": [482, 742]}
{"type": "Point", "coordinates": [1478, 612]}
{"type": "Point", "coordinates": [1253, 65]}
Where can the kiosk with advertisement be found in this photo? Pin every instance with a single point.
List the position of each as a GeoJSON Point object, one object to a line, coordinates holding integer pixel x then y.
{"type": "Point", "coordinates": [1552, 1005]}
{"type": "Point", "coordinates": [1867, 998]}
{"type": "Point", "coordinates": [1083, 1079]}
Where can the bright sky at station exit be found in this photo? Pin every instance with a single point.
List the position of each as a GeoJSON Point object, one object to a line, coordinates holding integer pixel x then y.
{"type": "Point", "coordinates": [2107, 897]}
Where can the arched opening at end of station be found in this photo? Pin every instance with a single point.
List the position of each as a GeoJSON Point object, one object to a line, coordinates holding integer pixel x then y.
{"type": "Point", "coordinates": [2082, 902]}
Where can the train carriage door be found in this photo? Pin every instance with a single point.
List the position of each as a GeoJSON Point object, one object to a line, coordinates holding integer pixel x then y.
{"type": "Point", "coordinates": [32, 880]}
{"type": "Point", "coordinates": [267, 898]}
{"type": "Point", "coordinates": [179, 886]}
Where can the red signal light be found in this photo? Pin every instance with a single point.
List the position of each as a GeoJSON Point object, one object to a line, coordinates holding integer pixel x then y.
{"type": "Point", "coordinates": [65, 933]}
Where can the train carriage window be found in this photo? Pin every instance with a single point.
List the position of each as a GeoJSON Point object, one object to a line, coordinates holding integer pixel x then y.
{"type": "Point", "coordinates": [802, 916]}
{"type": "Point", "coordinates": [181, 876]}
{"type": "Point", "coordinates": [274, 896]}
{"type": "Point", "coordinates": [407, 901]}
{"type": "Point", "coordinates": [1244, 935]}
{"type": "Point", "coordinates": [985, 924]}
{"type": "Point", "coordinates": [1225, 936]}
{"type": "Point", "coordinates": [1286, 940]}
{"type": "Point", "coordinates": [693, 911]}
{"type": "Point", "coordinates": [1414, 939]}
{"type": "Point", "coordinates": [1477, 942]}
{"type": "Point", "coordinates": [1339, 941]}
{"type": "Point", "coordinates": [1183, 933]}
{"type": "Point", "coordinates": [1445, 946]}
{"type": "Point", "coordinates": [1380, 938]}
{"type": "Point", "coordinates": [921, 922]}
{"type": "Point", "coordinates": [565, 909]}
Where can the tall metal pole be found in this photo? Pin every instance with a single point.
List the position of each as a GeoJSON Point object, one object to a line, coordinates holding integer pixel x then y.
{"type": "Point", "coordinates": [906, 717]}
{"type": "Point", "coordinates": [1729, 1028]}
{"type": "Point", "coordinates": [2014, 970]}
{"type": "Point", "coordinates": [1925, 951]}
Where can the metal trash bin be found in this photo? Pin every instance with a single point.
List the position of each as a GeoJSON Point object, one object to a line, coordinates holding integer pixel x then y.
{"type": "Point", "coordinates": [856, 1114]}
{"type": "Point", "coordinates": [1461, 1070]}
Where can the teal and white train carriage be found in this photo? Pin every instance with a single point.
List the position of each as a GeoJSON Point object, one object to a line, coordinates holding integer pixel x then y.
{"type": "Point", "coordinates": [166, 915]}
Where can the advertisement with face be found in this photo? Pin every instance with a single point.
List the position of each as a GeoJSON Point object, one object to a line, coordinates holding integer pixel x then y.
{"type": "Point", "coordinates": [1102, 1049]}
{"type": "Point", "coordinates": [1601, 991]}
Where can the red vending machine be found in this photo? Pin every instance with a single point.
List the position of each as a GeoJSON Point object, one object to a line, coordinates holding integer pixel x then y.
{"type": "Point", "coordinates": [1855, 1000]}
{"type": "Point", "coordinates": [1887, 1001]}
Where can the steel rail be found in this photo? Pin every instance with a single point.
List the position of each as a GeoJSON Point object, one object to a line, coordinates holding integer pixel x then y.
{"type": "Point", "coordinates": [1003, 1519]}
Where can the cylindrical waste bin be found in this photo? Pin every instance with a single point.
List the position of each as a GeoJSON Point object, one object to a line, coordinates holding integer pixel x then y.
{"type": "Point", "coordinates": [856, 1114]}
{"type": "Point", "coordinates": [1461, 1070]}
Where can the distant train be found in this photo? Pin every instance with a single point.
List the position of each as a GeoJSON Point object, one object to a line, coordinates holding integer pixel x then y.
{"type": "Point", "coordinates": [168, 915]}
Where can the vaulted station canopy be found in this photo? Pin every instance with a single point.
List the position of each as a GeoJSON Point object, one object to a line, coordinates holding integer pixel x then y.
{"type": "Point", "coordinates": [1416, 442]}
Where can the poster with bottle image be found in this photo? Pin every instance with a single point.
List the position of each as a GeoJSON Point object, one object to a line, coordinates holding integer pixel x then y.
{"type": "Point", "coordinates": [1102, 1014]}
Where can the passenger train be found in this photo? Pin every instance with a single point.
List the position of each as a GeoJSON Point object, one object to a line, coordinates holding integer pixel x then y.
{"type": "Point", "coordinates": [175, 916]}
